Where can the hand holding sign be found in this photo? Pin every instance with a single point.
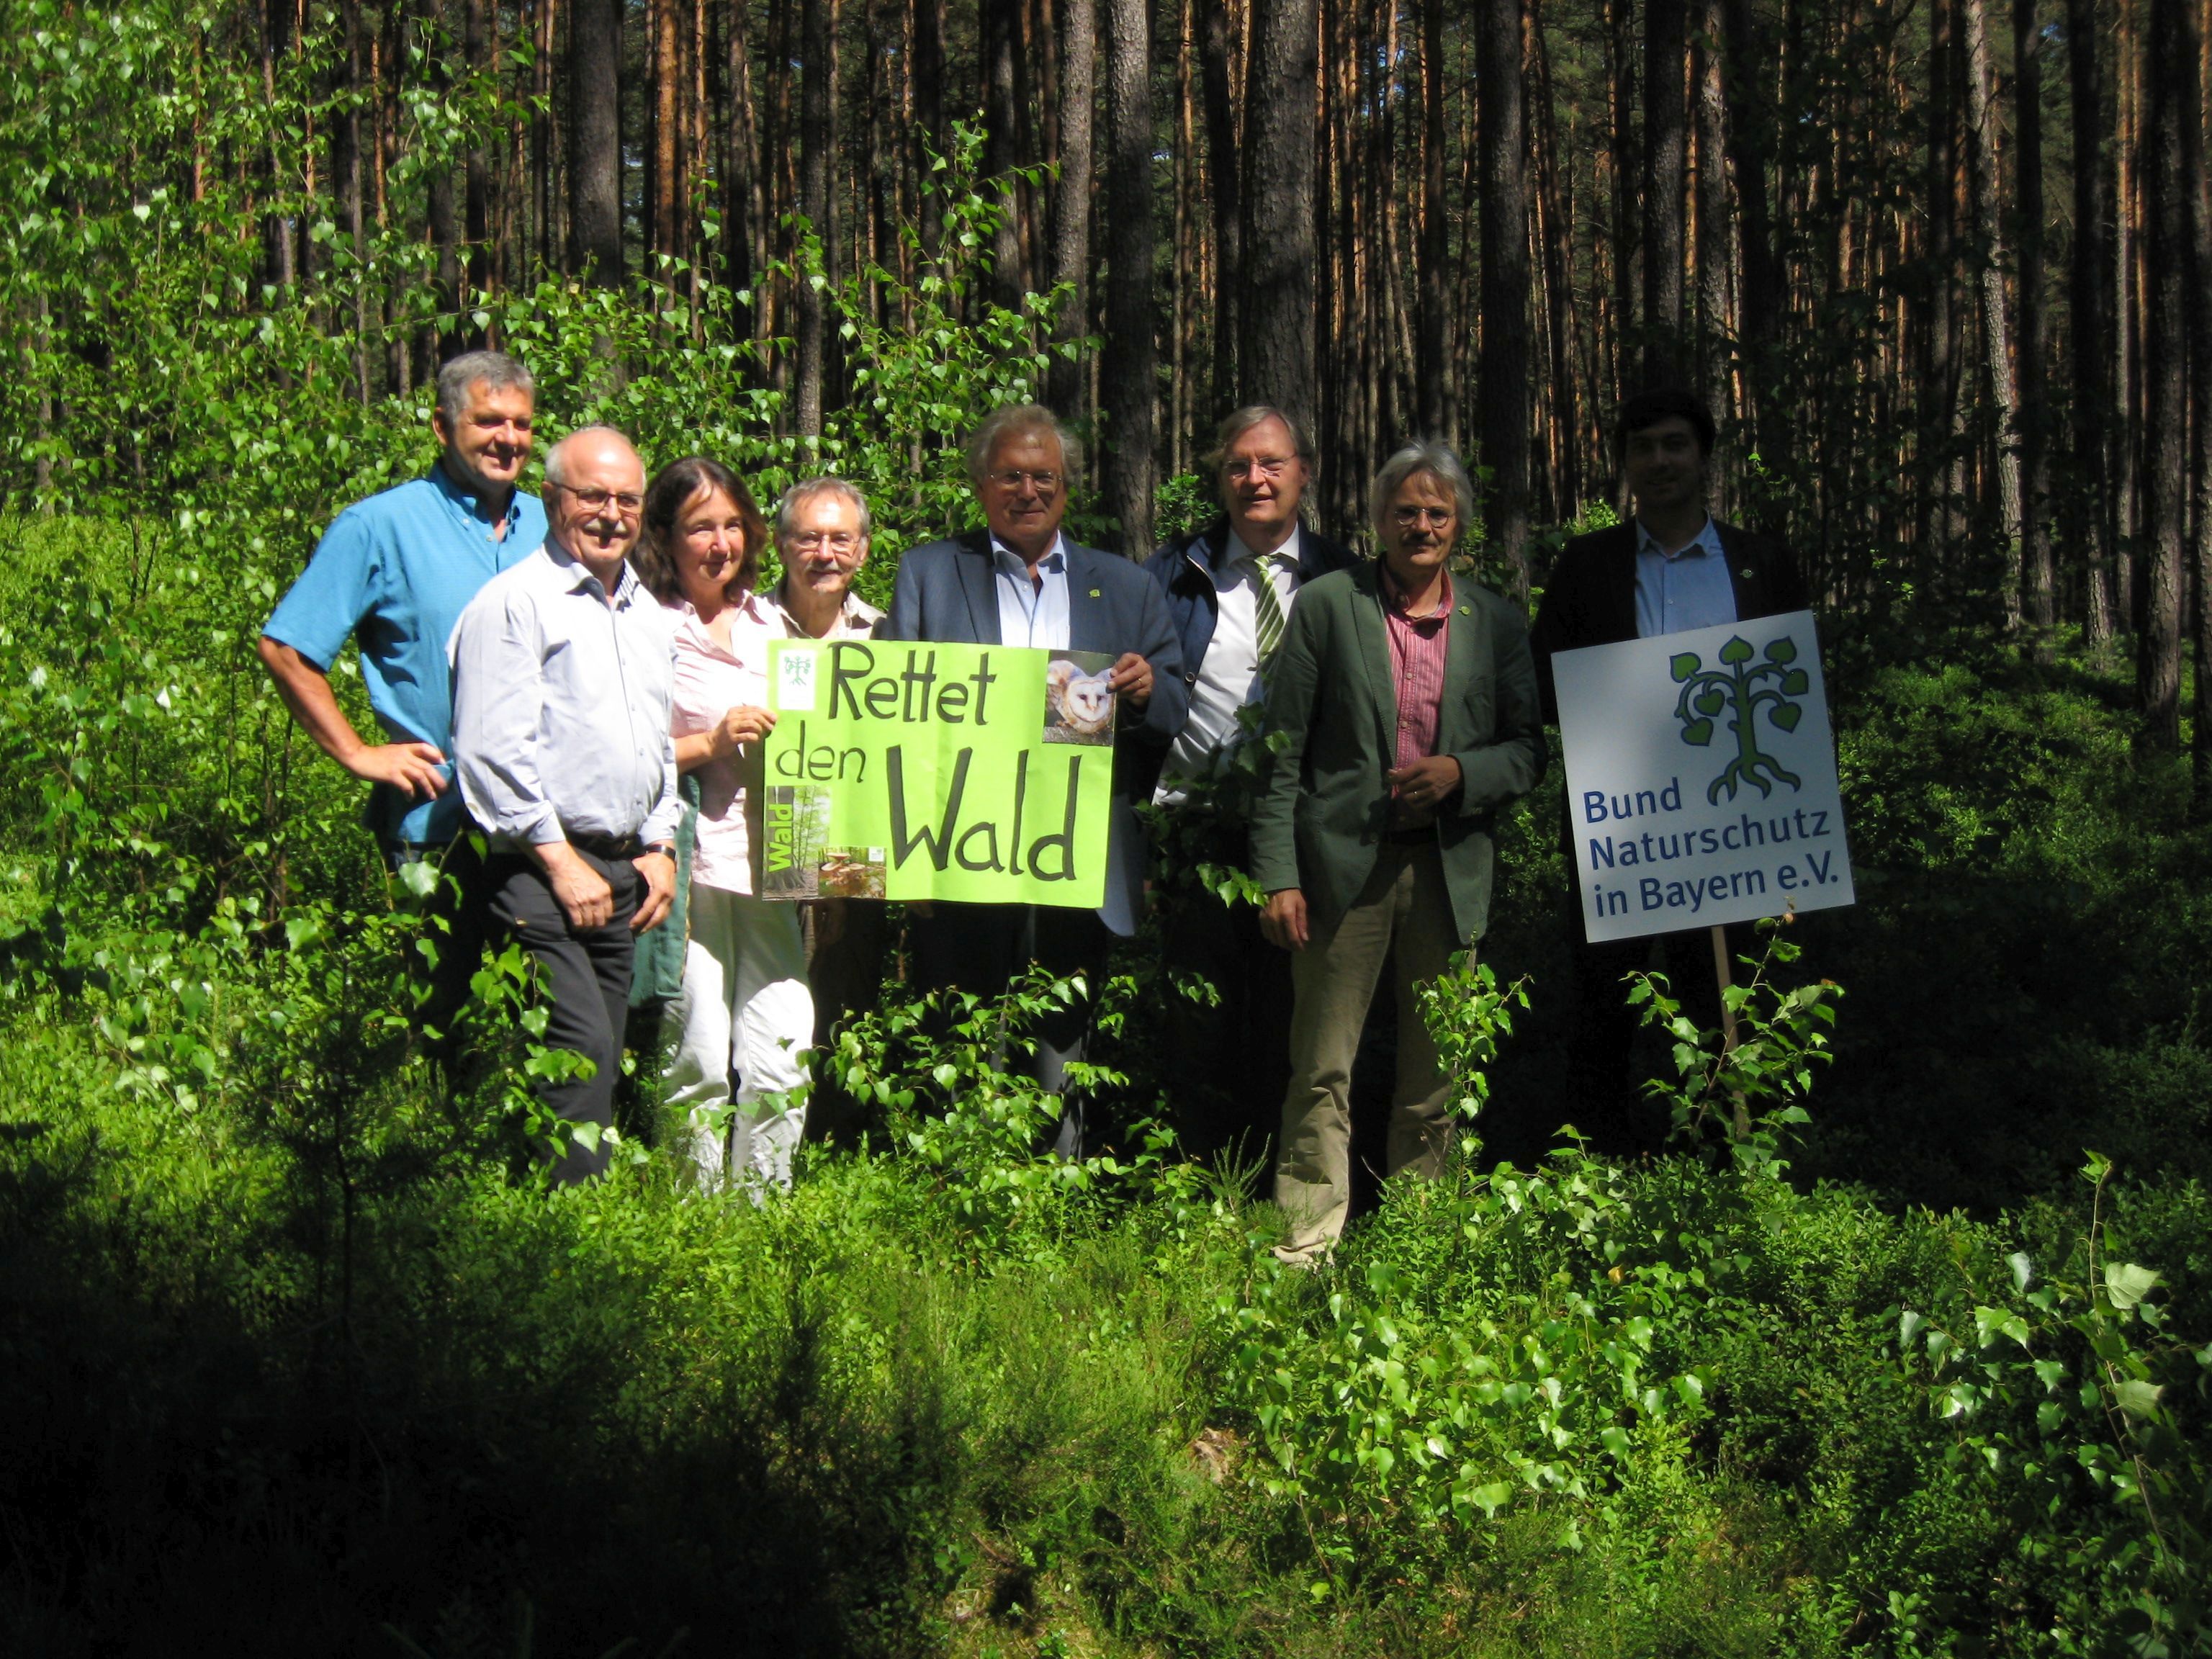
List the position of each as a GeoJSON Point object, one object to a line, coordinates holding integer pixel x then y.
{"type": "Point", "coordinates": [916, 771]}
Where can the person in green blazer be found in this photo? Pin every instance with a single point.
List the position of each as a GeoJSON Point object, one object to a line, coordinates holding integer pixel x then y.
{"type": "Point", "coordinates": [1406, 708]}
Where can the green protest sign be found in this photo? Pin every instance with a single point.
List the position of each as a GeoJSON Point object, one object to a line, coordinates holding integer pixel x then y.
{"type": "Point", "coordinates": [927, 771]}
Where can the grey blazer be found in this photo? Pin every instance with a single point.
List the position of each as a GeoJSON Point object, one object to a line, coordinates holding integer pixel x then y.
{"type": "Point", "coordinates": [945, 591]}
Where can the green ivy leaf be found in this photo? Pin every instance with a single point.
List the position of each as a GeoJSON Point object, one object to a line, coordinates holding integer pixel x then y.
{"type": "Point", "coordinates": [1788, 715]}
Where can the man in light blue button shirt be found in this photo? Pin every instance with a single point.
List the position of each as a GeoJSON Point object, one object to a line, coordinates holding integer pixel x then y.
{"type": "Point", "coordinates": [1671, 568]}
{"type": "Point", "coordinates": [393, 574]}
{"type": "Point", "coordinates": [1684, 587]}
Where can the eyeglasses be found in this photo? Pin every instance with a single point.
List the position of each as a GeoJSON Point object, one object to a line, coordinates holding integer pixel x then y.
{"type": "Point", "coordinates": [1262, 466]}
{"type": "Point", "coordinates": [597, 500]}
{"type": "Point", "coordinates": [1410, 516]}
{"type": "Point", "coordinates": [1043, 483]}
{"type": "Point", "coordinates": [837, 541]}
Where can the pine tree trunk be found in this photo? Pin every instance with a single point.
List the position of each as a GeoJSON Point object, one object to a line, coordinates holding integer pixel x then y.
{"type": "Point", "coordinates": [2087, 519]}
{"type": "Point", "coordinates": [929, 133]}
{"type": "Point", "coordinates": [742, 214]}
{"type": "Point", "coordinates": [1126, 395]}
{"type": "Point", "coordinates": [1621, 100]}
{"type": "Point", "coordinates": [1996, 332]}
{"type": "Point", "coordinates": [1002, 117]}
{"type": "Point", "coordinates": [2171, 65]}
{"type": "Point", "coordinates": [1555, 210]}
{"type": "Point", "coordinates": [1503, 377]}
{"type": "Point", "coordinates": [346, 174]}
{"type": "Point", "coordinates": [595, 139]}
{"type": "Point", "coordinates": [1219, 61]}
{"type": "Point", "coordinates": [2041, 575]}
{"type": "Point", "coordinates": [1275, 331]}
{"type": "Point", "coordinates": [817, 20]}
{"type": "Point", "coordinates": [1750, 127]}
{"type": "Point", "coordinates": [1666, 48]}
{"type": "Point", "coordinates": [1071, 255]}
{"type": "Point", "coordinates": [2200, 313]}
{"type": "Point", "coordinates": [1715, 257]}
{"type": "Point", "coordinates": [476, 170]}
{"type": "Point", "coordinates": [1939, 391]}
{"type": "Point", "coordinates": [665, 34]}
{"type": "Point", "coordinates": [1432, 354]}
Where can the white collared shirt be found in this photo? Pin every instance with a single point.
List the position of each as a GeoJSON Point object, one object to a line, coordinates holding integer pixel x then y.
{"type": "Point", "coordinates": [560, 705]}
{"type": "Point", "coordinates": [1229, 678]}
{"type": "Point", "coordinates": [1686, 589]}
{"type": "Point", "coordinates": [1031, 613]}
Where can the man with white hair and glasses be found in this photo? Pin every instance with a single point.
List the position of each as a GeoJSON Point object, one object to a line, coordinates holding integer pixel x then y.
{"type": "Point", "coordinates": [562, 685]}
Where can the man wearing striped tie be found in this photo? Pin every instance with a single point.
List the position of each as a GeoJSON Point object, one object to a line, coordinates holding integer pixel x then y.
{"type": "Point", "coordinates": [1230, 587]}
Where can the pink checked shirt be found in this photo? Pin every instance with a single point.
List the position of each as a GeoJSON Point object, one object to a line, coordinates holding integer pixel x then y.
{"type": "Point", "coordinates": [1418, 648]}
{"type": "Point", "coordinates": [711, 679]}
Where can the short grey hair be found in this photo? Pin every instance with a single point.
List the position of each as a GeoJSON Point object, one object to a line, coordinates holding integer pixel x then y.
{"type": "Point", "coordinates": [474, 368]}
{"type": "Point", "coordinates": [1018, 421]}
{"type": "Point", "coordinates": [807, 489]}
{"type": "Point", "coordinates": [556, 459]}
{"type": "Point", "coordinates": [1428, 457]}
{"type": "Point", "coordinates": [1235, 426]}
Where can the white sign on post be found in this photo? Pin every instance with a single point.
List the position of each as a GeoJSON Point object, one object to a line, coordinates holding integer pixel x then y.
{"type": "Point", "coordinates": [1701, 778]}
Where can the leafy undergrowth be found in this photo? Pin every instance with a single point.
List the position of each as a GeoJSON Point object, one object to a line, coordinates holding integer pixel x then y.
{"type": "Point", "coordinates": [951, 1397]}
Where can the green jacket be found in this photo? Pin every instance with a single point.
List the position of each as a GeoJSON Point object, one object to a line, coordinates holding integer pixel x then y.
{"type": "Point", "coordinates": [1320, 823]}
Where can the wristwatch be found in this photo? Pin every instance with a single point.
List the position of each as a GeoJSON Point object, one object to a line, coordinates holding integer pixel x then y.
{"type": "Point", "coordinates": [666, 848]}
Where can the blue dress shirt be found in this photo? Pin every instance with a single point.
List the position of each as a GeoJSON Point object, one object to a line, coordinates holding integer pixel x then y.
{"type": "Point", "coordinates": [1683, 590]}
{"type": "Point", "coordinates": [1031, 613]}
{"type": "Point", "coordinates": [394, 572]}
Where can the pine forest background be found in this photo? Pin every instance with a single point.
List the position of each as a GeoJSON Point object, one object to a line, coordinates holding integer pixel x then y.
{"type": "Point", "coordinates": [1942, 266]}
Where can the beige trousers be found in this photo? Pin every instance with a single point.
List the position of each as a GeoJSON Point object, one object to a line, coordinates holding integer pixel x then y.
{"type": "Point", "coordinates": [1404, 904]}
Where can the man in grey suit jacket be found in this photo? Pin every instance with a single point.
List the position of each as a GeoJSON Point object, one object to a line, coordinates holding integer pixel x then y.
{"type": "Point", "coordinates": [1021, 582]}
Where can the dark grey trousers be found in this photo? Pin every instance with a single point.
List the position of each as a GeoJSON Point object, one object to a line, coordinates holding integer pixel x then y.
{"type": "Point", "coordinates": [584, 977]}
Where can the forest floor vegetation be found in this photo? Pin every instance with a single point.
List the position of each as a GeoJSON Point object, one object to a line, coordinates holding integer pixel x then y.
{"type": "Point", "coordinates": [301, 1355]}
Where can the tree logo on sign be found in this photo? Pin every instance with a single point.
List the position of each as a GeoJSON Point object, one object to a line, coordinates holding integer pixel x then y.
{"type": "Point", "coordinates": [1738, 688]}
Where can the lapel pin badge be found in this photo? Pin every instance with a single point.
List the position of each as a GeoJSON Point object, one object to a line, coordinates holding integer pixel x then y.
{"type": "Point", "coordinates": [1094, 593]}
{"type": "Point", "coordinates": [1463, 610]}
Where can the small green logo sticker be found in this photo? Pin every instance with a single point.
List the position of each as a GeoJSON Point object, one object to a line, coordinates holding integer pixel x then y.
{"type": "Point", "coordinates": [1737, 690]}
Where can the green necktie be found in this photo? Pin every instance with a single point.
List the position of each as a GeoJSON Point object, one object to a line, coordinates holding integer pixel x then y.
{"type": "Point", "coordinates": [1266, 611]}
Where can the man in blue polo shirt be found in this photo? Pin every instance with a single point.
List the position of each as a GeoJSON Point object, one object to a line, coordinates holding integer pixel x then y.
{"type": "Point", "coordinates": [394, 572]}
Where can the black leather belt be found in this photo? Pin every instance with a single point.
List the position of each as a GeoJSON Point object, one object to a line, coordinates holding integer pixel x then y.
{"type": "Point", "coordinates": [607, 847]}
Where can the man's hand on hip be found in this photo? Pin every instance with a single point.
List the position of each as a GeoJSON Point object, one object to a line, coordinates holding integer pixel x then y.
{"type": "Point", "coordinates": [660, 873]}
{"type": "Point", "coordinates": [412, 766]}
{"type": "Point", "coordinates": [581, 892]}
{"type": "Point", "coordinates": [1283, 919]}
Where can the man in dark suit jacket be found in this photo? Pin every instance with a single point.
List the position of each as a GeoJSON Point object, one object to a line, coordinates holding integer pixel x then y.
{"type": "Point", "coordinates": [1021, 582]}
{"type": "Point", "coordinates": [1670, 569]}
{"type": "Point", "coordinates": [1230, 1059]}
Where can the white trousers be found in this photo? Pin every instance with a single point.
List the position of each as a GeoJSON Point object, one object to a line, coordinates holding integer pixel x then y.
{"type": "Point", "coordinates": [745, 1008]}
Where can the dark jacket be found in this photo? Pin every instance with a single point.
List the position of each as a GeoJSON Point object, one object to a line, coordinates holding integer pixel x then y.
{"type": "Point", "coordinates": [945, 592]}
{"type": "Point", "coordinates": [1320, 825]}
{"type": "Point", "coordinates": [1184, 569]}
{"type": "Point", "coordinates": [1592, 599]}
